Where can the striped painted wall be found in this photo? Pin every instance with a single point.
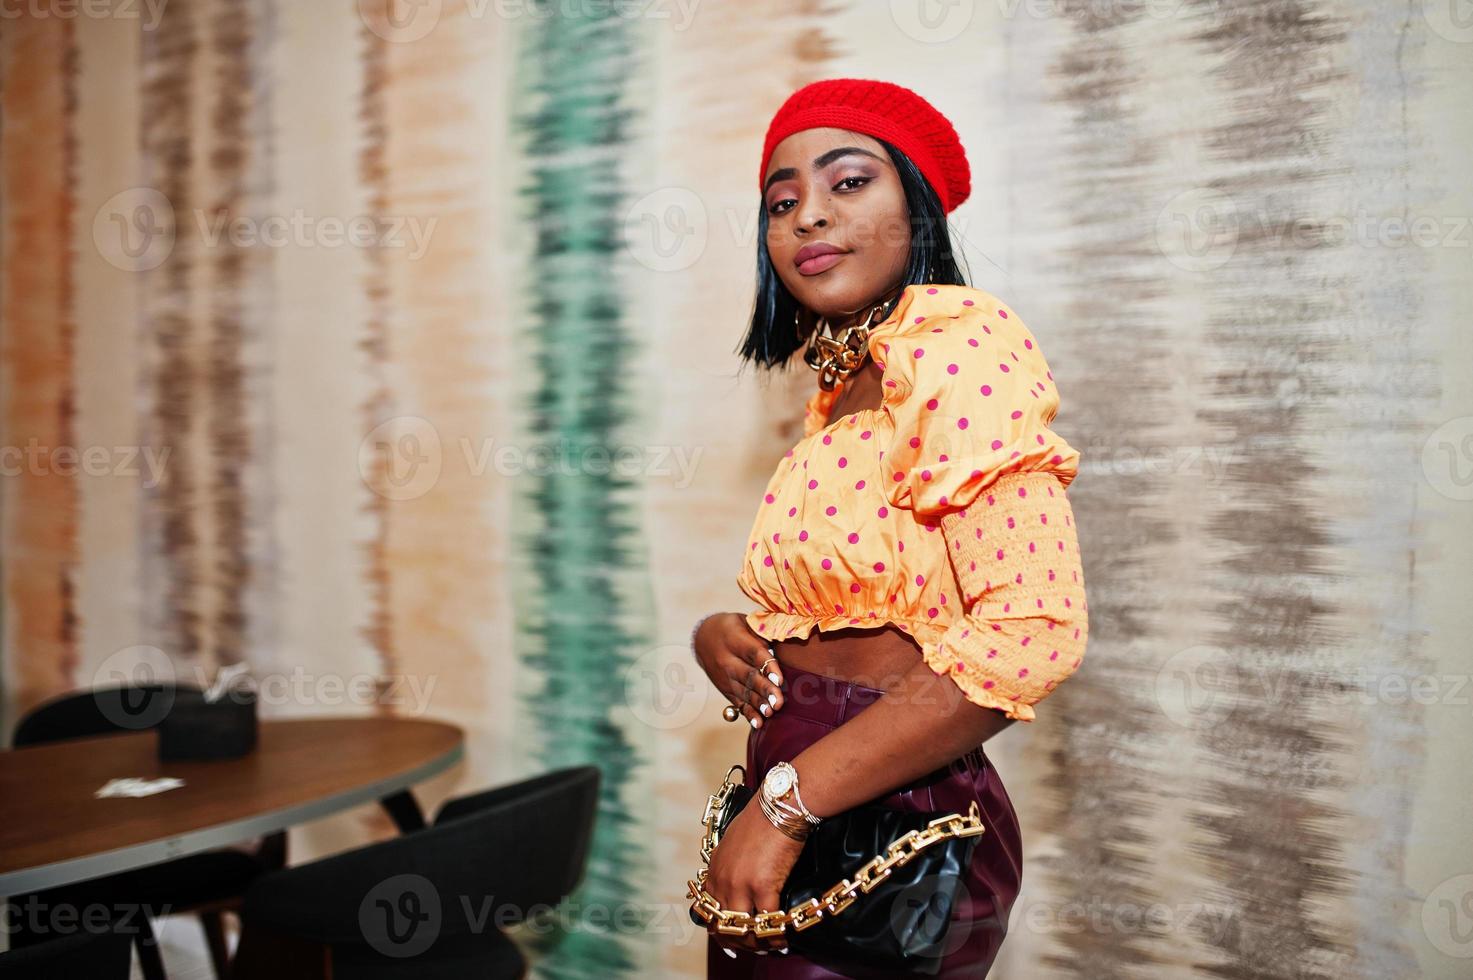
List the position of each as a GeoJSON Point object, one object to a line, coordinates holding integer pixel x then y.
{"type": "Point", "coordinates": [393, 342]}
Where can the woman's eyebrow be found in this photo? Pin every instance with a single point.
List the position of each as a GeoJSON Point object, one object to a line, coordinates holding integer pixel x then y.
{"type": "Point", "coordinates": [819, 162]}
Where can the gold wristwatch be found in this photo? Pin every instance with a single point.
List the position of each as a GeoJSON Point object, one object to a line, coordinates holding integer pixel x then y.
{"type": "Point", "coordinates": [782, 804]}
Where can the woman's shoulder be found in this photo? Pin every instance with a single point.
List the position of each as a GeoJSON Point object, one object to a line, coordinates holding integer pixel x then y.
{"type": "Point", "coordinates": [933, 308]}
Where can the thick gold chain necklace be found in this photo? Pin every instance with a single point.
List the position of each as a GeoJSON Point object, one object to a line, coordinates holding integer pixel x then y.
{"type": "Point", "coordinates": [836, 358]}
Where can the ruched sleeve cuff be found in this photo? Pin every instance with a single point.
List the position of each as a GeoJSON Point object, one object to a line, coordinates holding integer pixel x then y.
{"type": "Point", "coordinates": [1016, 556]}
{"type": "Point", "coordinates": [970, 397]}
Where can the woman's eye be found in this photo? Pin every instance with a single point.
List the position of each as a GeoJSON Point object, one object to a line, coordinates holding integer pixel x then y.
{"type": "Point", "coordinates": [775, 205]}
{"type": "Point", "coordinates": [862, 182]}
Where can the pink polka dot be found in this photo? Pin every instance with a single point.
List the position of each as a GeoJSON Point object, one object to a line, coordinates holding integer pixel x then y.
{"type": "Point", "coordinates": [961, 423]}
{"type": "Point", "coordinates": [967, 302]}
{"type": "Point", "coordinates": [899, 476]}
{"type": "Point", "coordinates": [844, 462]}
{"type": "Point", "coordinates": [920, 580]}
{"type": "Point", "coordinates": [952, 369]}
{"type": "Point", "coordinates": [931, 403]}
{"type": "Point", "coordinates": [986, 389]}
{"type": "Point", "coordinates": [1027, 343]}
{"type": "Point", "coordinates": [859, 485]}
{"type": "Point", "coordinates": [932, 612]}
{"type": "Point", "coordinates": [915, 442]}
{"type": "Point", "coordinates": [776, 536]}
{"type": "Point", "coordinates": [802, 535]}
{"type": "Point", "coordinates": [879, 566]}
{"type": "Point", "coordinates": [826, 564]}
{"type": "Point", "coordinates": [919, 353]}
{"type": "Point", "coordinates": [883, 512]}
{"type": "Point", "coordinates": [974, 341]}
{"type": "Point", "coordinates": [792, 511]}
{"type": "Point", "coordinates": [997, 444]}
{"type": "Point", "coordinates": [986, 685]}
{"type": "Point", "coordinates": [853, 586]}
{"type": "Point", "coordinates": [932, 290]}
{"type": "Point", "coordinates": [1004, 367]}
{"type": "Point", "coordinates": [925, 474]}
{"type": "Point", "coordinates": [1023, 672]}
{"type": "Point", "coordinates": [1003, 314]}
{"type": "Point", "coordinates": [1017, 414]}
{"type": "Point", "coordinates": [769, 498]}
{"type": "Point", "coordinates": [812, 484]}
{"type": "Point", "coordinates": [767, 561]}
{"type": "Point", "coordinates": [831, 510]}
{"type": "Point", "coordinates": [853, 537]}
{"type": "Point", "coordinates": [999, 555]}
{"type": "Point", "coordinates": [865, 434]}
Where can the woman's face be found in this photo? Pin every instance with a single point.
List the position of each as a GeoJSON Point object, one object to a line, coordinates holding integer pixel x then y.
{"type": "Point", "coordinates": [835, 188]}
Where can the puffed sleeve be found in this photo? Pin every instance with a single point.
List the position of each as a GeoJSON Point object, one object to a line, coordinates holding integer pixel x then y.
{"type": "Point", "coordinates": [971, 398]}
{"type": "Point", "coordinates": [1015, 551]}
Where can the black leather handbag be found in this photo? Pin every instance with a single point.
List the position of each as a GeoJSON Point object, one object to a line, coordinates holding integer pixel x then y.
{"type": "Point", "coordinates": [871, 885]}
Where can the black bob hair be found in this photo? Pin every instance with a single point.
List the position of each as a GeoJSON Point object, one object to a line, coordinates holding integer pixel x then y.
{"type": "Point", "coordinates": [775, 334]}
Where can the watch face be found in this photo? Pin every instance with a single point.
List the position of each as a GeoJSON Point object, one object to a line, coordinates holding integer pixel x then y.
{"type": "Point", "coordinates": [779, 781]}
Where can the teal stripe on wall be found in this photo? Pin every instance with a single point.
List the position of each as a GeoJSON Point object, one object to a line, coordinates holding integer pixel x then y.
{"type": "Point", "coordinates": [578, 544]}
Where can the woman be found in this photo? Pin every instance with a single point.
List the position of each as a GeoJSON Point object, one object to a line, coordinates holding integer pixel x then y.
{"type": "Point", "coordinates": [921, 524]}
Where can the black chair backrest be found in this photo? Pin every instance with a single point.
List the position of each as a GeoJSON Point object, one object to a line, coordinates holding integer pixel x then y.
{"type": "Point", "coordinates": [100, 711]}
{"type": "Point", "coordinates": [96, 955]}
{"type": "Point", "coordinates": [488, 859]}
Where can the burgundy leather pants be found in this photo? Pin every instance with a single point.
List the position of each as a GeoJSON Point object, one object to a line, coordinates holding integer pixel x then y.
{"type": "Point", "coordinates": [815, 704]}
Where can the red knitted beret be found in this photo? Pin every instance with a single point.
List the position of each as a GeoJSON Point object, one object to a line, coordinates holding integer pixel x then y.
{"type": "Point", "coordinates": [885, 111]}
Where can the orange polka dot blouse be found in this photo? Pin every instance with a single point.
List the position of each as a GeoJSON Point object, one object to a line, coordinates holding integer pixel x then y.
{"type": "Point", "coordinates": [942, 512]}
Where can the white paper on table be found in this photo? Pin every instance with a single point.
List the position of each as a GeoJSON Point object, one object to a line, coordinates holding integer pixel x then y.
{"type": "Point", "coordinates": [133, 786]}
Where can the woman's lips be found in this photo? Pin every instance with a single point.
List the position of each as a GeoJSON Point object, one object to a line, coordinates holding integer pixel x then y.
{"type": "Point", "coordinates": [819, 263]}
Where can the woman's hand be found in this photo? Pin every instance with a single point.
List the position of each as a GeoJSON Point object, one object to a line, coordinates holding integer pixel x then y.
{"type": "Point", "coordinates": [748, 870]}
{"type": "Point", "coordinates": [730, 654]}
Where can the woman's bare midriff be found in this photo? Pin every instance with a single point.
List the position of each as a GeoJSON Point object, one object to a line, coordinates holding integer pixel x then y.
{"type": "Point", "coordinates": [870, 657]}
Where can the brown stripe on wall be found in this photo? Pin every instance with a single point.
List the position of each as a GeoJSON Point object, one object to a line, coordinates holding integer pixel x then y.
{"type": "Point", "coordinates": [171, 388]}
{"type": "Point", "coordinates": [229, 569]}
{"type": "Point", "coordinates": [39, 495]}
{"type": "Point", "coordinates": [379, 405]}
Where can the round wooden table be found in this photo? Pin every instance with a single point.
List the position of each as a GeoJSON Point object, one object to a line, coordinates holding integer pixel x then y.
{"type": "Point", "coordinates": [54, 830]}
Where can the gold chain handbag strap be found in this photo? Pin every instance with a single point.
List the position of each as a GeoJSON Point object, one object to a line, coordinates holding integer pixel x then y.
{"type": "Point", "coordinates": [836, 899]}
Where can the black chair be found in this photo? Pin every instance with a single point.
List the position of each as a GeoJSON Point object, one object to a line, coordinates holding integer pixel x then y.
{"type": "Point", "coordinates": [97, 954]}
{"type": "Point", "coordinates": [205, 885]}
{"type": "Point", "coordinates": [428, 904]}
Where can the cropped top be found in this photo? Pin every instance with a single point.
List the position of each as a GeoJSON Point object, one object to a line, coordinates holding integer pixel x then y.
{"type": "Point", "coordinates": [942, 512]}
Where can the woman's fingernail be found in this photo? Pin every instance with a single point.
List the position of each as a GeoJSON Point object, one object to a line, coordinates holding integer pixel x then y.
{"type": "Point", "coordinates": [784, 951]}
{"type": "Point", "coordinates": [774, 678]}
{"type": "Point", "coordinates": [729, 951]}
{"type": "Point", "coordinates": [772, 700]}
{"type": "Point", "coordinates": [754, 722]}
{"type": "Point", "coordinates": [765, 709]}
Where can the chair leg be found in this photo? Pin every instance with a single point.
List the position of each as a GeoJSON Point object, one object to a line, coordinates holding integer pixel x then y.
{"type": "Point", "coordinates": [404, 810]}
{"type": "Point", "coordinates": [213, 922]}
{"type": "Point", "coordinates": [147, 944]}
